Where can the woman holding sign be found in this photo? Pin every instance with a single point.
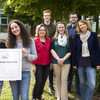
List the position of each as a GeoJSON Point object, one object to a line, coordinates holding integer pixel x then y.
{"type": "Point", "coordinates": [19, 38]}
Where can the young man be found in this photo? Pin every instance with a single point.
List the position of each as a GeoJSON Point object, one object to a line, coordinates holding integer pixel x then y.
{"type": "Point", "coordinates": [72, 32]}
{"type": "Point", "coordinates": [51, 28]}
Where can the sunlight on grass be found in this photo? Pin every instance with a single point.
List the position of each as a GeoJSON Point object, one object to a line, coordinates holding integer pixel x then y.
{"type": "Point", "coordinates": [7, 95]}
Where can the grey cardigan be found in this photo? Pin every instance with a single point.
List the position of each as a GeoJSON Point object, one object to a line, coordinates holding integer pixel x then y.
{"type": "Point", "coordinates": [32, 55]}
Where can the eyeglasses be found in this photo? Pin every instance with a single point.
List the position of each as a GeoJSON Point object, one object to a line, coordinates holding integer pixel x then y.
{"type": "Point", "coordinates": [73, 17]}
{"type": "Point", "coordinates": [41, 30]}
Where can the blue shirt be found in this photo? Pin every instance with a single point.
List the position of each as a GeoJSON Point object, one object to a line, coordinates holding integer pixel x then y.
{"type": "Point", "coordinates": [72, 31]}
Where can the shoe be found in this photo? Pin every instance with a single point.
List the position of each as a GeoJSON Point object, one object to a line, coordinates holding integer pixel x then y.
{"type": "Point", "coordinates": [79, 97]}
{"type": "Point", "coordinates": [33, 99]}
{"type": "Point", "coordinates": [52, 90]}
{"type": "Point", "coordinates": [40, 98]}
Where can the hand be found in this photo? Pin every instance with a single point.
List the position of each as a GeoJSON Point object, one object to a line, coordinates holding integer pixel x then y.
{"type": "Point", "coordinates": [62, 60]}
{"type": "Point", "coordinates": [59, 61]}
{"type": "Point", "coordinates": [24, 52]}
{"type": "Point", "coordinates": [98, 67]}
{"type": "Point", "coordinates": [51, 66]}
{"type": "Point", "coordinates": [34, 68]}
{"type": "Point", "coordinates": [75, 67]}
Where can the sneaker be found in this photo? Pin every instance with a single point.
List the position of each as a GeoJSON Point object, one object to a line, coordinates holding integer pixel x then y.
{"type": "Point", "coordinates": [52, 90]}
{"type": "Point", "coordinates": [33, 99]}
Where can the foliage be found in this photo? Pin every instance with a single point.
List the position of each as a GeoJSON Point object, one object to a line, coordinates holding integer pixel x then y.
{"type": "Point", "coordinates": [97, 80]}
{"type": "Point", "coordinates": [2, 3]}
{"type": "Point", "coordinates": [60, 9]}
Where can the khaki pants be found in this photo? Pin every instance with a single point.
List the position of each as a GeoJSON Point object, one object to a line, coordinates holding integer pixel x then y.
{"type": "Point", "coordinates": [61, 73]}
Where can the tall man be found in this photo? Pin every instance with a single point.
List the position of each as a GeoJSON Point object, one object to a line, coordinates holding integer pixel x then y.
{"type": "Point", "coordinates": [72, 32]}
{"type": "Point", "coordinates": [51, 28]}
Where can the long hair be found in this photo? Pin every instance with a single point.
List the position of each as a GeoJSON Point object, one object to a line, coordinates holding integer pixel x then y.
{"type": "Point", "coordinates": [56, 33]}
{"type": "Point", "coordinates": [11, 39]}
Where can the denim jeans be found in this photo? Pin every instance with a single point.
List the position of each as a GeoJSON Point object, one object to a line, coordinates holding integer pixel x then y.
{"type": "Point", "coordinates": [1, 84]}
{"type": "Point", "coordinates": [21, 87]}
{"type": "Point", "coordinates": [90, 72]}
{"type": "Point", "coordinates": [77, 82]}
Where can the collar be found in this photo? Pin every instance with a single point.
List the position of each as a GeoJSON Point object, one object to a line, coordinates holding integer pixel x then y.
{"type": "Point", "coordinates": [73, 27]}
{"type": "Point", "coordinates": [48, 25]}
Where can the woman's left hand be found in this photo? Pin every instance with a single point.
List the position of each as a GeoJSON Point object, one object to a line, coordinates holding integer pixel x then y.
{"type": "Point", "coordinates": [98, 67]}
{"type": "Point", "coordinates": [24, 52]}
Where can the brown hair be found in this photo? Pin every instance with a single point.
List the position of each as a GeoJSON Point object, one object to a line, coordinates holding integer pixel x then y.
{"type": "Point", "coordinates": [11, 39]}
{"type": "Point", "coordinates": [73, 13]}
{"type": "Point", "coordinates": [47, 11]}
{"type": "Point", "coordinates": [85, 22]}
{"type": "Point", "coordinates": [56, 33]}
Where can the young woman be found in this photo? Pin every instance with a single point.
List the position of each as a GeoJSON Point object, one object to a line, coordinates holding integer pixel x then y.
{"type": "Point", "coordinates": [41, 65]}
{"type": "Point", "coordinates": [61, 49]}
{"type": "Point", "coordinates": [86, 55]}
{"type": "Point", "coordinates": [19, 38]}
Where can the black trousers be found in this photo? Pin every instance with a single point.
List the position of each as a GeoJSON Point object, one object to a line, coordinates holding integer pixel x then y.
{"type": "Point", "coordinates": [51, 78]}
{"type": "Point", "coordinates": [42, 72]}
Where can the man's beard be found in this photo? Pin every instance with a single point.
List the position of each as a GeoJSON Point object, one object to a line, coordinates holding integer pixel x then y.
{"type": "Point", "coordinates": [74, 22]}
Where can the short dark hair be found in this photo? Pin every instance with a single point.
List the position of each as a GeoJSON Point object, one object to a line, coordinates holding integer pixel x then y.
{"type": "Point", "coordinates": [73, 13]}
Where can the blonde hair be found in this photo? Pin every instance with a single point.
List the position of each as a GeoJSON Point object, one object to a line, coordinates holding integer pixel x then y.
{"type": "Point", "coordinates": [85, 22]}
{"type": "Point", "coordinates": [47, 11]}
{"type": "Point", "coordinates": [38, 28]}
{"type": "Point", "coordinates": [56, 33]}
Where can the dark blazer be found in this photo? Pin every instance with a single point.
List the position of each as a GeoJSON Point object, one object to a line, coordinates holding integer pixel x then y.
{"type": "Point", "coordinates": [93, 46]}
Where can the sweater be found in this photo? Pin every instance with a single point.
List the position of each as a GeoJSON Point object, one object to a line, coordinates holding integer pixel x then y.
{"type": "Point", "coordinates": [43, 51]}
{"type": "Point", "coordinates": [32, 55]}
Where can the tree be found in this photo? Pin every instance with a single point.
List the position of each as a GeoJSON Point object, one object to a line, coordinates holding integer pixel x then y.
{"type": "Point", "coordinates": [30, 11]}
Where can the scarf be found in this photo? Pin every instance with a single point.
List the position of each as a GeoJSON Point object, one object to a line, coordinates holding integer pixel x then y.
{"type": "Point", "coordinates": [62, 40]}
{"type": "Point", "coordinates": [84, 38]}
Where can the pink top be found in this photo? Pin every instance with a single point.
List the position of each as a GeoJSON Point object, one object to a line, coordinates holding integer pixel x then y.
{"type": "Point", "coordinates": [43, 52]}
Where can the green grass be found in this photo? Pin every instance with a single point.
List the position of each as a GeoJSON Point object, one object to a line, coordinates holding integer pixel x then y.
{"type": "Point", "coordinates": [7, 95]}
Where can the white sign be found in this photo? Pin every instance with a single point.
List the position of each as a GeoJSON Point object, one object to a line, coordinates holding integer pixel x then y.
{"type": "Point", "coordinates": [10, 64]}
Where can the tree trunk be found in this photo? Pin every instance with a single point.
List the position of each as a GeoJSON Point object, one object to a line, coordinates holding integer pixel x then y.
{"type": "Point", "coordinates": [97, 24]}
{"type": "Point", "coordinates": [33, 29]}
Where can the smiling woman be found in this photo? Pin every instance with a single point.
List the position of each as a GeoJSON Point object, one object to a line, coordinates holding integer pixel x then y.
{"type": "Point", "coordinates": [86, 55]}
{"type": "Point", "coordinates": [18, 34]}
{"type": "Point", "coordinates": [41, 65]}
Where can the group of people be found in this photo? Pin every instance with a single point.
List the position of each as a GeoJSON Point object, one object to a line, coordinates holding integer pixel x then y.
{"type": "Point", "coordinates": [55, 50]}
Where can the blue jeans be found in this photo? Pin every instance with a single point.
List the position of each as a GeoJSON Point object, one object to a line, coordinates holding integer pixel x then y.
{"type": "Point", "coordinates": [1, 84]}
{"type": "Point", "coordinates": [77, 82]}
{"type": "Point", "coordinates": [87, 94]}
{"type": "Point", "coordinates": [21, 87]}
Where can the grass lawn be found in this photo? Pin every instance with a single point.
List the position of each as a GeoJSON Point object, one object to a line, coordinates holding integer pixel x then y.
{"type": "Point", "coordinates": [6, 92]}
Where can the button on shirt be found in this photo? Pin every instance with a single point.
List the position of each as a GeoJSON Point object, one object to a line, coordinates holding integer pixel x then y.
{"type": "Point", "coordinates": [72, 31]}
